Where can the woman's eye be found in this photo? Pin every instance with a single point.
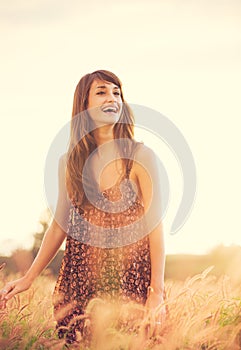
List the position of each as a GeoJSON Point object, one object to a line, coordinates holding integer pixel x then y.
{"type": "Point", "coordinates": [103, 92]}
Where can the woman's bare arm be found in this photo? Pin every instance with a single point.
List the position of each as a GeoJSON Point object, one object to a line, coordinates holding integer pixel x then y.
{"type": "Point", "coordinates": [148, 176]}
{"type": "Point", "coordinates": [51, 243]}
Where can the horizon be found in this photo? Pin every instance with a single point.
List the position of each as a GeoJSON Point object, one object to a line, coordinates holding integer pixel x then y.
{"type": "Point", "coordinates": [184, 63]}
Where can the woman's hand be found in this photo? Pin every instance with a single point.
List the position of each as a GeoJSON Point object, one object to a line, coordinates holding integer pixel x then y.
{"type": "Point", "coordinates": [154, 299]}
{"type": "Point", "coordinates": [12, 288]}
{"type": "Point", "coordinates": [156, 311]}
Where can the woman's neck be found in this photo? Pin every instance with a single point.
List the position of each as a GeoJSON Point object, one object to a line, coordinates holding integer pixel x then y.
{"type": "Point", "coordinates": [104, 134]}
{"type": "Point", "coordinates": [107, 147]}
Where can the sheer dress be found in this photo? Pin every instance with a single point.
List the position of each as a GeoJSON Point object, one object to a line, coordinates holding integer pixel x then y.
{"type": "Point", "coordinates": [106, 255]}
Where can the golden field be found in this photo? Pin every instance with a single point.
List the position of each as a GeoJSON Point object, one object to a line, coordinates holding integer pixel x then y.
{"type": "Point", "coordinates": [204, 312]}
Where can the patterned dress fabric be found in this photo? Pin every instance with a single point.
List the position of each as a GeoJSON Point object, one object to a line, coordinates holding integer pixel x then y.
{"type": "Point", "coordinates": [106, 255]}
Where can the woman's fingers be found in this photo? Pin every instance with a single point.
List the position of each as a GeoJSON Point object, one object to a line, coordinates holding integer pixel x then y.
{"type": "Point", "coordinates": [11, 293]}
{"type": "Point", "coordinates": [161, 316]}
{"type": "Point", "coordinates": [3, 304]}
{"type": "Point", "coordinates": [155, 319]}
{"type": "Point", "coordinates": [4, 295]}
{"type": "Point", "coordinates": [2, 266]}
{"type": "Point", "coordinates": [14, 287]}
{"type": "Point", "coordinates": [5, 291]}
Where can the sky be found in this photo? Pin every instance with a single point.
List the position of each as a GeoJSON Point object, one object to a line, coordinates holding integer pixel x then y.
{"type": "Point", "coordinates": [180, 58]}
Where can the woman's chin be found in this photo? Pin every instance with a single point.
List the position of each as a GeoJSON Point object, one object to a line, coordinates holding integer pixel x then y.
{"type": "Point", "coordinates": [109, 119]}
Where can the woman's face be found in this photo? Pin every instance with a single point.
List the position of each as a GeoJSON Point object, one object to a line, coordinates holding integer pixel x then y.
{"type": "Point", "coordinates": [104, 102]}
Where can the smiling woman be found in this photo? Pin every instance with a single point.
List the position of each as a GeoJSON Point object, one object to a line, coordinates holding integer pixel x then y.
{"type": "Point", "coordinates": [108, 210]}
{"type": "Point", "coordinates": [104, 102]}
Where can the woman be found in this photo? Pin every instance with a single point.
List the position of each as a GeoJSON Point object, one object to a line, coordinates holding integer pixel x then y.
{"type": "Point", "coordinates": [108, 210]}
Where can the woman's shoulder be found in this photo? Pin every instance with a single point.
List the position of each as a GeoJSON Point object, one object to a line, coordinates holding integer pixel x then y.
{"type": "Point", "coordinates": [63, 160]}
{"type": "Point", "coordinates": [144, 153]}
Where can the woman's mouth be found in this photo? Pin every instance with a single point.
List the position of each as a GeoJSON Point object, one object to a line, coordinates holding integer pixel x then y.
{"type": "Point", "coordinates": [110, 109]}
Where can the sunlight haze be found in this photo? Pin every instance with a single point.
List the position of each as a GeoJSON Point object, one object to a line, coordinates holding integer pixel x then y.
{"type": "Point", "coordinates": [182, 59]}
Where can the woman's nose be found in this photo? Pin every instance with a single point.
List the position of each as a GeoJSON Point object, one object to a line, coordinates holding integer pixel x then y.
{"type": "Point", "coordinates": [111, 97]}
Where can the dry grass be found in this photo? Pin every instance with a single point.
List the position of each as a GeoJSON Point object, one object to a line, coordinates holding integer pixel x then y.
{"type": "Point", "coordinates": [204, 313]}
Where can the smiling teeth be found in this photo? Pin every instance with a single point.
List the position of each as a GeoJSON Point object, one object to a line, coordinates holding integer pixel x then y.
{"type": "Point", "coordinates": [109, 109]}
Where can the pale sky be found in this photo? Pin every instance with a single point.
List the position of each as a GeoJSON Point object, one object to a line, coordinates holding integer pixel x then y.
{"type": "Point", "coordinates": [181, 58]}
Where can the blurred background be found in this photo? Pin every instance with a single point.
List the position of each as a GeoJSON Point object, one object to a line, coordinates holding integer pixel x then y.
{"type": "Point", "coordinates": [181, 58]}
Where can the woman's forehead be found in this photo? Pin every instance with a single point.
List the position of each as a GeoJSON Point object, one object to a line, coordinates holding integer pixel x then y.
{"type": "Point", "coordinates": [98, 83]}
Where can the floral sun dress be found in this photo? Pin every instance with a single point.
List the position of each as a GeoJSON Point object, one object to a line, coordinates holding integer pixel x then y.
{"type": "Point", "coordinates": [109, 256]}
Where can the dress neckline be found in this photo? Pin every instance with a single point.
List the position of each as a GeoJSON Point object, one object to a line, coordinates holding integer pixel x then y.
{"type": "Point", "coordinates": [110, 188]}
{"type": "Point", "coordinates": [121, 178]}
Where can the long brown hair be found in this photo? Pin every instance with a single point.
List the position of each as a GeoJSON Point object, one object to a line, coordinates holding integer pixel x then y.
{"type": "Point", "coordinates": [82, 142]}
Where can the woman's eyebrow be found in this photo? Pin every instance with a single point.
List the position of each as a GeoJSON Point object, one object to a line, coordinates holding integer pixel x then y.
{"type": "Point", "coordinates": [104, 87]}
